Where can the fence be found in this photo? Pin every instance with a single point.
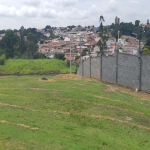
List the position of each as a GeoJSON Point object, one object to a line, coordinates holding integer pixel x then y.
{"type": "Point", "coordinates": [123, 69]}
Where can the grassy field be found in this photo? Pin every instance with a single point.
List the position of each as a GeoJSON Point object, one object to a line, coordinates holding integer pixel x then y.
{"type": "Point", "coordinates": [40, 66]}
{"type": "Point", "coordinates": [71, 113]}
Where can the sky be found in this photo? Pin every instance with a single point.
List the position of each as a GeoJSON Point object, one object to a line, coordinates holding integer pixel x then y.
{"type": "Point", "coordinates": [61, 13]}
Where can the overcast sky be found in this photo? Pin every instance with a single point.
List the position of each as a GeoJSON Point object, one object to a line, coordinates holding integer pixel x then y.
{"type": "Point", "coordinates": [39, 13]}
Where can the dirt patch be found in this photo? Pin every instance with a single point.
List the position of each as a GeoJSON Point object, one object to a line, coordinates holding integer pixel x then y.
{"type": "Point", "coordinates": [106, 98]}
{"type": "Point", "coordinates": [143, 95]}
{"type": "Point", "coordinates": [64, 113]}
{"type": "Point", "coordinates": [3, 95]}
{"type": "Point", "coordinates": [108, 118]}
{"type": "Point", "coordinates": [4, 104]}
{"type": "Point", "coordinates": [110, 89]}
{"type": "Point", "coordinates": [112, 107]}
{"type": "Point", "coordinates": [47, 90]}
{"type": "Point", "coordinates": [121, 121]}
{"type": "Point", "coordinates": [18, 107]}
{"type": "Point", "coordinates": [128, 118]}
{"type": "Point", "coordinates": [4, 122]}
{"type": "Point", "coordinates": [18, 125]}
{"type": "Point", "coordinates": [23, 126]}
{"type": "Point", "coordinates": [39, 89]}
{"type": "Point", "coordinates": [10, 89]}
{"type": "Point", "coordinates": [26, 127]}
{"type": "Point", "coordinates": [118, 108]}
{"type": "Point", "coordinates": [59, 99]}
{"type": "Point", "coordinates": [73, 77]}
{"type": "Point", "coordinates": [69, 76]}
{"type": "Point", "coordinates": [47, 81]}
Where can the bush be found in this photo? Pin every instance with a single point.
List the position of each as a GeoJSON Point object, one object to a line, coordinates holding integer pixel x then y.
{"type": "Point", "coordinates": [39, 56]}
{"type": "Point", "coordinates": [60, 56]}
{"type": "Point", "coordinates": [2, 59]}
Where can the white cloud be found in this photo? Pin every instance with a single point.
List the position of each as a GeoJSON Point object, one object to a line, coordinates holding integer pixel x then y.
{"type": "Point", "coordinates": [7, 11]}
{"type": "Point", "coordinates": [134, 1]}
{"type": "Point", "coordinates": [32, 2]}
{"type": "Point", "coordinates": [27, 12]}
{"type": "Point", "coordinates": [112, 1]}
{"type": "Point", "coordinates": [33, 13]}
{"type": "Point", "coordinates": [48, 13]}
{"type": "Point", "coordinates": [65, 3]}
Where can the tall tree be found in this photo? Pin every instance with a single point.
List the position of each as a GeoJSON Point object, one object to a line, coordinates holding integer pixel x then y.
{"type": "Point", "coordinates": [31, 46]}
{"type": "Point", "coordinates": [10, 43]}
{"type": "Point", "coordinates": [103, 36]}
{"type": "Point", "coordinates": [137, 23]}
{"type": "Point", "coordinates": [22, 47]}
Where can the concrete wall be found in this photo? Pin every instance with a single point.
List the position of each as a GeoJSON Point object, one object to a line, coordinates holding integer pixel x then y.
{"type": "Point", "coordinates": [87, 68]}
{"type": "Point", "coordinates": [109, 69]}
{"type": "Point", "coordinates": [79, 71]}
{"type": "Point", "coordinates": [95, 68]}
{"type": "Point", "coordinates": [145, 79]}
{"type": "Point", "coordinates": [124, 69]}
{"type": "Point", "coordinates": [128, 70]}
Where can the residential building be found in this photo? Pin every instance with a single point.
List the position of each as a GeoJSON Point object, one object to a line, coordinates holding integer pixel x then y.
{"type": "Point", "coordinates": [117, 20]}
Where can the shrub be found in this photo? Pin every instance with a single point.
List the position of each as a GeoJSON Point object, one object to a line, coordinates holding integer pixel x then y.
{"type": "Point", "coordinates": [39, 56]}
{"type": "Point", "coordinates": [2, 59]}
{"type": "Point", "coordinates": [60, 56]}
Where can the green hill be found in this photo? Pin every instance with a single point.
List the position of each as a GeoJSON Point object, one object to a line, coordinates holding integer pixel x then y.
{"type": "Point", "coordinates": [35, 66]}
{"type": "Point", "coordinates": [68, 112]}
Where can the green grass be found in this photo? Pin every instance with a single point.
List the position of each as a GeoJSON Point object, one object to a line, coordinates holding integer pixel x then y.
{"type": "Point", "coordinates": [67, 114]}
{"type": "Point", "coordinates": [40, 66]}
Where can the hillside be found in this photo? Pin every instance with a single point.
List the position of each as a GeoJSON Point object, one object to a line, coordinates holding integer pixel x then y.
{"type": "Point", "coordinates": [68, 112]}
{"type": "Point", "coordinates": [34, 66]}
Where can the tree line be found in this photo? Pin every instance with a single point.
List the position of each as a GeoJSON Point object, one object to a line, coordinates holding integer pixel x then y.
{"type": "Point", "coordinates": [20, 43]}
{"type": "Point", "coordinates": [135, 30]}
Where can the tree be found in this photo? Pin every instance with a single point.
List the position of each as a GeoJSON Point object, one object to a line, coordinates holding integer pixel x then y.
{"type": "Point", "coordinates": [71, 27]}
{"type": "Point", "coordinates": [31, 37]}
{"type": "Point", "coordinates": [22, 47]}
{"type": "Point", "coordinates": [137, 23]}
{"type": "Point", "coordinates": [60, 56]}
{"type": "Point", "coordinates": [103, 36]}
{"type": "Point", "coordinates": [48, 27]}
{"type": "Point", "coordinates": [148, 42]}
{"type": "Point", "coordinates": [84, 52]}
{"type": "Point", "coordinates": [31, 49]}
{"type": "Point", "coordinates": [10, 44]}
{"type": "Point", "coordinates": [31, 46]}
{"type": "Point", "coordinates": [39, 56]}
{"type": "Point", "coordinates": [146, 50]}
{"type": "Point", "coordinates": [41, 41]}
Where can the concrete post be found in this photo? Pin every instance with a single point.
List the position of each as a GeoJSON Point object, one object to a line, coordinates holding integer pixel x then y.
{"type": "Point", "coordinates": [140, 69]}
{"type": "Point", "coordinates": [116, 55]}
{"type": "Point", "coordinates": [101, 67]}
{"type": "Point", "coordinates": [90, 67]}
{"type": "Point", "coordinates": [82, 67]}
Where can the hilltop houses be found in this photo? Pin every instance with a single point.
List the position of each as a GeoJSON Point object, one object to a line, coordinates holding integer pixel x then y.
{"type": "Point", "coordinates": [76, 42]}
{"type": "Point", "coordinates": [83, 41]}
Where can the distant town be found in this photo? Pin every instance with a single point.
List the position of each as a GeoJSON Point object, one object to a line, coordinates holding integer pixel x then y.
{"type": "Point", "coordinates": [82, 41]}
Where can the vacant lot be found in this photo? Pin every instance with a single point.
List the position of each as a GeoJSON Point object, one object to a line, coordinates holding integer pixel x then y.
{"type": "Point", "coordinates": [68, 112]}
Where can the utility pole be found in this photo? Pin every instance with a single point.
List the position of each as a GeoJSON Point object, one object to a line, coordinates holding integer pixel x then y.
{"type": "Point", "coordinates": [70, 56]}
{"type": "Point", "coordinates": [118, 35]}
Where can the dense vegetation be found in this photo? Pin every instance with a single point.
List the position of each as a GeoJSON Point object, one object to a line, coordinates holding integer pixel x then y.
{"type": "Point", "coordinates": [126, 29]}
{"type": "Point", "coordinates": [34, 66]}
{"type": "Point", "coordinates": [15, 46]}
{"type": "Point", "coordinates": [22, 43]}
{"type": "Point", "coordinates": [70, 113]}
{"type": "Point", "coordinates": [135, 30]}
